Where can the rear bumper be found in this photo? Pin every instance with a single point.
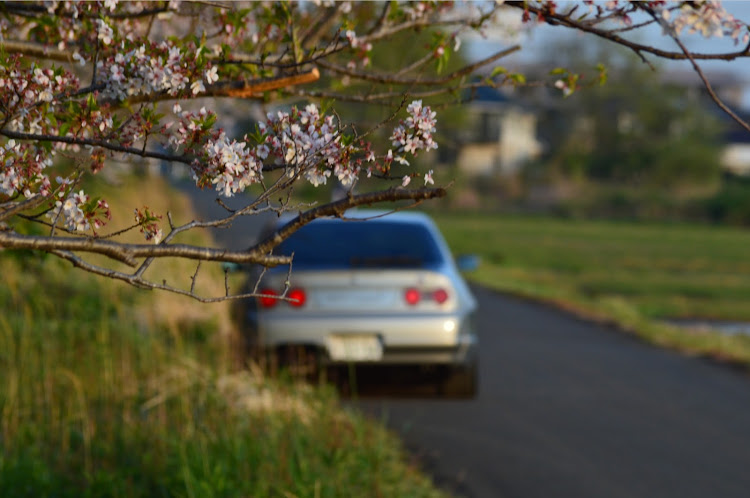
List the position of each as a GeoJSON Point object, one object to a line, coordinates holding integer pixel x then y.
{"type": "Point", "coordinates": [406, 339]}
{"type": "Point", "coordinates": [464, 354]}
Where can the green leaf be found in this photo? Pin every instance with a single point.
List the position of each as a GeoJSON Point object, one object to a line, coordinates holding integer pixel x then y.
{"type": "Point", "coordinates": [558, 70]}
{"type": "Point", "coordinates": [93, 105]}
{"type": "Point", "coordinates": [326, 104]}
{"type": "Point", "coordinates": [518, 78]}
{"type": "Point", "coordinates": [602, 73]}
{"type": "Point", "coordinates": [498, 70]}
{"type": "Point", "coordinates": [396, 11]}
{"type": "Point", "coordinates": [347, 140]}
{"type": "Point", "coordinates": [440, 65]}
{"type": "Point", "coordinates": [209, 122]}
{"type": "Point", "coordinates": [90, 206]}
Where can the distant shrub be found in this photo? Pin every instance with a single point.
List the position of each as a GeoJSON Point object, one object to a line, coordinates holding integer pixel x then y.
{"type": "Point", "coordinates": [731, 204]}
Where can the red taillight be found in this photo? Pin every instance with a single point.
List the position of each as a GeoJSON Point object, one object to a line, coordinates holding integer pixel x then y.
{"type": "Point", "coordinates": [440, 296]}
{"type": "Point", "coordinates": [268, 300]}
{"type": "Point", "coordinates": [412, 296]}
{"type": "Point", "coordinates": [297, 297]}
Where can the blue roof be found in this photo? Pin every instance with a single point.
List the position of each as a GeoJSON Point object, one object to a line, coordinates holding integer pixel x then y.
{"type": "Point", "coordinates": [489, 94]}
{"type": "Point", "coordinates": [736, 133]}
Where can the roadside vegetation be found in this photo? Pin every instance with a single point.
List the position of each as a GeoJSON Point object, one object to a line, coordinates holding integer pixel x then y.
{"type": "Point", "coordinates": [106, 390]}
{"type": "Point", "coordinates": [636, 275]}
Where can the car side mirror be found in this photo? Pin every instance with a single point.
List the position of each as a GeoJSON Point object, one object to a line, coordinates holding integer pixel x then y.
{"type": "Point", "coordinates": [230, 267]}
{"type": "Point", "coordinates": [467, 262]}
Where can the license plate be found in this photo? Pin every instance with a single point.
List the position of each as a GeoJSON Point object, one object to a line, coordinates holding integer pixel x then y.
{"type": "Point", "coordinates": [354, 298]}
{"type": "Point", "coordinates": [354, 347]}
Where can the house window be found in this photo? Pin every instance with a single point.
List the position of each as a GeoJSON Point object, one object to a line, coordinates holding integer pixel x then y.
{"type": "Point", "coordinates": [489, 130]}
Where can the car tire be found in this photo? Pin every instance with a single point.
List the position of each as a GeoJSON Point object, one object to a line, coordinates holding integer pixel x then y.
{"type": "Point", "coordinates": [461, 382]}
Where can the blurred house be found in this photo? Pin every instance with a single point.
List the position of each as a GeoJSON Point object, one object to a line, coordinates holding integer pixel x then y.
{"type": "Point", "coordinates": [735, 157]}
{"type": "Point", "coordinates": [501, 135]}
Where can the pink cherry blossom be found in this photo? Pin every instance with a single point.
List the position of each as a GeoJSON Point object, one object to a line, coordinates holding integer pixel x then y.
{"type": "Point", "coordinates": [428, 178]}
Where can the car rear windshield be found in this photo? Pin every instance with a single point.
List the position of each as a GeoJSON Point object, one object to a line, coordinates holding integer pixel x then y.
{"type": "Point", "coordinates": [375, 244]}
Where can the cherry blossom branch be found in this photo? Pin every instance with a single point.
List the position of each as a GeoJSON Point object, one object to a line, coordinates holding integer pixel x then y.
{"type": "Point", "coordinates": [696, 67]}
{"type": "Point", "coordinates": [140, 282]}
{"type": "Point", "coordinates": [244, 89]}
{"type": "Point", "coordinates": [553, 18]}
{"type": "Point", "coordinates": [27, 7]}
{"type": "Point", "coordinates": [36, 50]}
{"type": "Point", "coordinates": [633, 27]}
{"type": "Point", "coordinates": [230, 89]}
{"type": "Point", "coordinates": [707, 84]}
{"type": "Point", "coordinates": [250, 209]}
{"type": "Point", "coordinates": [19, 207]}
{"type": "Point", "coordinates": [128, 253]}
{"type": "Point", "coordinates": [595, 21]}
{"type": "Point", "coordinates": [260, 253]}
{"type": "Point", "coordinates": [96, 143]}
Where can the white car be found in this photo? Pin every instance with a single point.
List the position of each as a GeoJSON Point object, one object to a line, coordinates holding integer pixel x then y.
{"type": "Point", "coordinates": [369, 289]}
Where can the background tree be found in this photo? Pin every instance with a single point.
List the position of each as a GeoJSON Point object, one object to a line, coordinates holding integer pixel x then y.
{"type": "Point", "coordinates": [83, 84]}
{"type": "Point", "coordinates": [639, 130]}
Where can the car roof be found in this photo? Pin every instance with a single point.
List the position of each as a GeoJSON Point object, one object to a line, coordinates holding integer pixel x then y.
{"type": "Point", "coordinates": [380, 216]}
{"type": "Point", "coordinates": [371, 215]}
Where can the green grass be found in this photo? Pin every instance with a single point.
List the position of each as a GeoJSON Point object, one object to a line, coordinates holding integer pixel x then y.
{"type": "Point", "coordinates": [101, 395]}
{"type": "Point", "coordinates": [633, 274]}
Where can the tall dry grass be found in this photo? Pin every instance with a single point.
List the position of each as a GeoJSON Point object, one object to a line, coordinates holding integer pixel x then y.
{"type": "Point", "coordinates": [106, 390]}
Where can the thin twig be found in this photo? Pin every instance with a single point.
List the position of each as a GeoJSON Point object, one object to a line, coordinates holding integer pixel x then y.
{"type": "Point", "coordinates": [195, 277]}
{"type": "Point", "coordinates": [142, 283]}
{"type": "Point", "coordinates": [384, 97]}
{"type": "Point", "coordinates": [388, 79]}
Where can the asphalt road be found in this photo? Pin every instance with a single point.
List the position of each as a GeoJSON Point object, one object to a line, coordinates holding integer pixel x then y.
{"type": "Point", "coordinates": [572, 409]}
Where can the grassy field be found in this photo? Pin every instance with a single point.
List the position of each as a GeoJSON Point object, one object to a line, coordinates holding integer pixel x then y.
{"type": "Point", "coordinates": [110, 391]}
{"type": "Point", "coordinates": [634, 274]}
